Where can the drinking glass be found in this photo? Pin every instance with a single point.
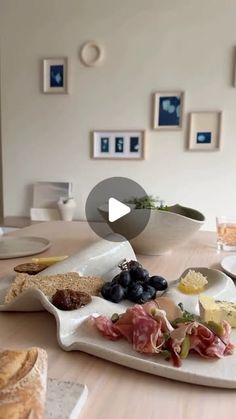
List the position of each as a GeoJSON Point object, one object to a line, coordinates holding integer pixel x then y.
{"type": "Point", "coordinates": [226, 232]}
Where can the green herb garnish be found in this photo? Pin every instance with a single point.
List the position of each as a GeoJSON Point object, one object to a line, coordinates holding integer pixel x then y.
{"type": "Point", "coordinates": [185, 318]}
{"type": "Point", "coordinates": [148, 202]}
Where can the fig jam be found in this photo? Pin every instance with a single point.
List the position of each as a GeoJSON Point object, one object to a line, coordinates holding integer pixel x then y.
{"type": "Point", "coordinates": [68, 299]}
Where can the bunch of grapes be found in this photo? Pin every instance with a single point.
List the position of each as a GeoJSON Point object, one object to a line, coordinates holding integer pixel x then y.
{"type": "Point", "coordinates": [133, 283]}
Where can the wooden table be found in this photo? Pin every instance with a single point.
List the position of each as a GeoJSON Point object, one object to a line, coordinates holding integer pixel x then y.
{"type": "Point", "coordinates": [116, 392]}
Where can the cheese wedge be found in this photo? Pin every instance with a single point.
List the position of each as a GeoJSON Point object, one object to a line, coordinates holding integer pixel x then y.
{"type": "Point", "coordinates": [217, 311]}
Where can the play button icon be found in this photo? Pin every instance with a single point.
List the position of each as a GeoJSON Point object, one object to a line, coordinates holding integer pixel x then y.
{"type": "Point", "coordinates": [110, 208]}
{"type": "Point", "coordinates": [117, 210]}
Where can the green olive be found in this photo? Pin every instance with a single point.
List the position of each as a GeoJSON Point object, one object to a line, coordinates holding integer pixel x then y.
{"type": "Point", "coordinates": [217, 328]}
{"type": "Point", "coordinates": [185, 347]}
{"type": "Point", "coordinates": [115, 317]}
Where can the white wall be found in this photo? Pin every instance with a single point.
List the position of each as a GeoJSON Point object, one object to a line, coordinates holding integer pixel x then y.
{"type": "Point", "coordinates": [151, 45]}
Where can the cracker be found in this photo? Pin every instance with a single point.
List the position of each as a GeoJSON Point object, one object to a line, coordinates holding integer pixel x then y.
{"type": "Point", "coordinates": [49, 284]}
{"type": "Point", "coordinates": [29, 268]}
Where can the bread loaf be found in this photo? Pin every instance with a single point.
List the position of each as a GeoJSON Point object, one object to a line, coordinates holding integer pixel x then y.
{"type": "Point", "coordinates": [23, 378]}
{"type": "Point", "coordinates": [49, 284]}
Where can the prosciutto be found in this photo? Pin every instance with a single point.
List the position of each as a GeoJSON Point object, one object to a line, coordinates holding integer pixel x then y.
{"type": "Point", "coordinates": [208, 344]}
{"type": "Point", "coordinates": [147, 328]}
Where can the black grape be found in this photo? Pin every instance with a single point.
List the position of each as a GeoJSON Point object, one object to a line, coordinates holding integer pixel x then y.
{"type": "Point", "coordinates": [132, 264]}
{"type": "Point", "coordinates": [134, 292]}
{"type": "Point", "coordinates": [158, 282]}
{"type": "Point", "coordinates": [124, 279]}
{"type": "Point", "coordinates": [115, 280]}
{"type": "Point", "coordinates": [116, 293]}
{"type": "Point", "coordinates": [148, 294]}
{"type": "Point", "coordinates": [151, 290]}
{"type": "Point", "coordinates": [139, 274]}
{"type": "Point", "coordinates": [105, 291]}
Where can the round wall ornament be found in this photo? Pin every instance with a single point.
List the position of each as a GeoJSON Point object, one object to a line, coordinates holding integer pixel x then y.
{"type": "Point", "coordinates": [91, 53]}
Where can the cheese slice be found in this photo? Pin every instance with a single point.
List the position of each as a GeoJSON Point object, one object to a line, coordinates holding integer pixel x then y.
{"type": "Point", "coordinates": [217, 311]}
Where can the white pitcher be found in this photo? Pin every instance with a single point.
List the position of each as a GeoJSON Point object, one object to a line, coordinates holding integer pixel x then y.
{"type": "Point", "coordinates": [66, 207]}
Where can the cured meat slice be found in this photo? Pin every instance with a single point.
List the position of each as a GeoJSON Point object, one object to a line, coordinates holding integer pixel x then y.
{"type": "Point", "coordinates": [137, 327]}
{"type": "Point", "coordinates": [229, 350]}
{"type": "Point", "coordinates": [125, 324]}
{"type": "Point", "coordinates": [152, 309]}
{"type": "Point", "coordinates": [147, 335]}
{"type": "Point", "coordinates": [107, 328]}
{"type": "Point", "coordinates": [208, 344]}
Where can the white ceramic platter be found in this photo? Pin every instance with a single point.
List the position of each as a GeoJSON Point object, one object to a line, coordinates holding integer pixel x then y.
{"type": "Point", "coordinates": [14, 247]}
{"type": "Point", "coordinates": [100, 259]}
{"type": "Point", "coordinates": [76, 332]}
{"type": "Point", "coordinates": [229, 265]}
{"type": "Point", "coordinates": [56, 408]}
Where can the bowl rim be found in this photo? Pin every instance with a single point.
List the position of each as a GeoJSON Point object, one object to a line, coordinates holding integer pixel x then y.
{"type": "Point", "coordinates": [104, 208]}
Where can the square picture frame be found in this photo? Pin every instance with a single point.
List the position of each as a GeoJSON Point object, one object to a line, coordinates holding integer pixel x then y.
{"type": "Point", "coordinates": [205, 131]}
{"type": "Point", "coordinates": [168, 109]}
{"type": "Point", "coordinates": [118, 144]}
{"type": "Point", "coordinates": [55, 75]}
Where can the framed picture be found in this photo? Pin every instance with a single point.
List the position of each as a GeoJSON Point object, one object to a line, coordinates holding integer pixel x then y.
{"type": "Point", "coordinates": [55, 75]}
{"type": "Point", "coordinates": [204, 130]}
{"type": "Point", "coordinates": [47, 194]}
{"type": "Point", "coordinates": [129, 144]}
{"type": "Point", "coordinates": [45, 199]}
{"type": "Point", "coordinates": [168, 110]}
{"type": "Point", "coordinates": [234, 68]}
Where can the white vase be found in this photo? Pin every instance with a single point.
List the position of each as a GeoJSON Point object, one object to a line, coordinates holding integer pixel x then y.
{"type": "Point", "coordinates": [66, 208]}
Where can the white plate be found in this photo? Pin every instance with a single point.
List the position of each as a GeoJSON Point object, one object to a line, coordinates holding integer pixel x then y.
{"type": "Point", "coordinates": [219, 286]}
{"type": "Point", "coordinates": [229, 265]}
{"type": "Point", "coordinates": [74, 332]}
{"type": "Point", "coordinates": [15, 247]}
{"type": "Point", "coordinates": [57, 407]}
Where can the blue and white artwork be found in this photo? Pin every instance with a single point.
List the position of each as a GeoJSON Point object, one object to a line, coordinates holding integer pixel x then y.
{"type": "Point", "coordinates": [169, 111]}
{"type": "Point", "coordinates": [203, 137]}
{"type": "Point", "coordinates": [134, 144]}
{"type": "Point", "coordinates": [104, 145]}
{"type": "Point", "coordinates": [57, 75]}
{"type": "Point", "coordinates": [119, 144]}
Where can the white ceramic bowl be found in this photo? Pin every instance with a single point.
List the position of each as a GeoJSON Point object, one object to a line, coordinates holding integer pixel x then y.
{"type": "Point", "coordinates": [164, 231]}
{"type": "Point", "coordinates": [219, 287]}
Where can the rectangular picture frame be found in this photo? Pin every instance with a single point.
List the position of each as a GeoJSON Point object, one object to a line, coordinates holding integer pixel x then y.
{"type": "Point", "coordinates": [205, 131]}
{"type": "Point", "coordinates": [47, 194]}
{"type": "Point", "coordinates": [234, 68]}
{"type": "Point", "coordinates": [168, 109]}
{"type": "Point", "coordinates": [55, 75]}
{"type": "Point", "coordinates": [118, 144]}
